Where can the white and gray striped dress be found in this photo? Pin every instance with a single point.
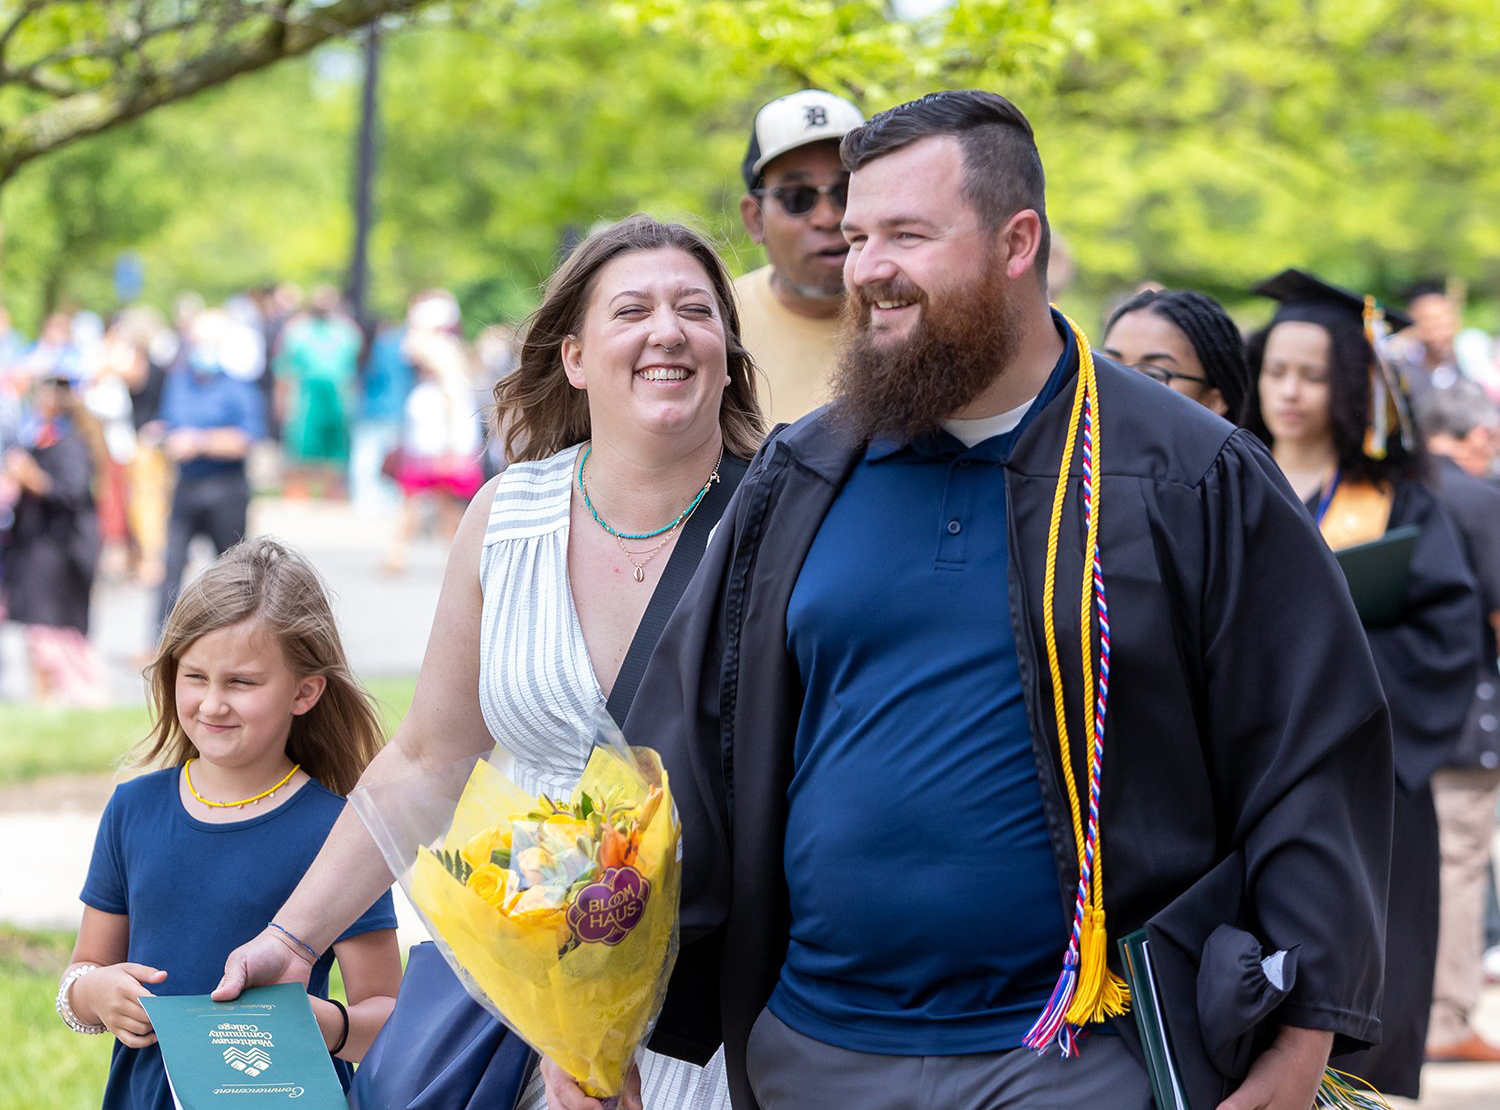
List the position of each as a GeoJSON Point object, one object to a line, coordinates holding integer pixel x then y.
{"type": "Point", "coordinates": [539, 694]}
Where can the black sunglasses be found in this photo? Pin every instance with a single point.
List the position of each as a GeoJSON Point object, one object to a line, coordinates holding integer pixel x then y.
{"type": "Point", "coordinates": [799, 200]}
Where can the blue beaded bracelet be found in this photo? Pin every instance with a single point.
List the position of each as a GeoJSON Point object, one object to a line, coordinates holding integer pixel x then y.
{"type": "Point", "coordinates": [298, 941]}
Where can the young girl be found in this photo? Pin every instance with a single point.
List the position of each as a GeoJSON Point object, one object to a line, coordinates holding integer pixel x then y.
{"type": "Point", "coordinates": [262, 729]}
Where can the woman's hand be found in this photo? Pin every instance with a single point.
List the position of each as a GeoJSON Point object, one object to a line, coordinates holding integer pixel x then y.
{"type": "Point", "coordinates": [564, 1093]}
{"type": "Point", "coordinates": [264, 959]}
{"type": "Point", "coordinates": [112, 995]}
{"type": "Point", "coordinates": [1286, 1075]}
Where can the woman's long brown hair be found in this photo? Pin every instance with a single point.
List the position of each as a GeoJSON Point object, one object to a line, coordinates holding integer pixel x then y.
{"type": "Point", "coordinates": [539, 412]}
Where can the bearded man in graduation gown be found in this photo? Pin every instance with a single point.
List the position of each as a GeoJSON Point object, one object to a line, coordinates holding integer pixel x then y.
{"type": "Point", "coordinates": [859, 697]}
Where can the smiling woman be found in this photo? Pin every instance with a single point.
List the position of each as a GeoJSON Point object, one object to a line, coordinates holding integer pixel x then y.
{"type": "Point", "coordinates": [540, 411]}
{"type": "Point", "coordinates": [628, 422]}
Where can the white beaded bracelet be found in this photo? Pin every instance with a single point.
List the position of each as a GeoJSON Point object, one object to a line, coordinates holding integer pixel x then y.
{"type": "Point", "coordinates": [65, 1008]}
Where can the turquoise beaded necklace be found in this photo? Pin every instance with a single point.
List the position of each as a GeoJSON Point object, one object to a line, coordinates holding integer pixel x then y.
{"type": "Point", "coordinates": [599, 520]}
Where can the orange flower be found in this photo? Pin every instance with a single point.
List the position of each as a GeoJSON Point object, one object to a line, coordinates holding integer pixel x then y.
{"type": "Point", "coordinates": [612, 848]}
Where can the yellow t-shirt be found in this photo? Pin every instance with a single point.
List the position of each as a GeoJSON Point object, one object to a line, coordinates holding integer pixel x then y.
{"type": "Point", "coordinates": [795, 354]}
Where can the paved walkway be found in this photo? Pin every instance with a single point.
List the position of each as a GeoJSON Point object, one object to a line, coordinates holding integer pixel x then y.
{"type": "Point", "coordinates": [385, 618]}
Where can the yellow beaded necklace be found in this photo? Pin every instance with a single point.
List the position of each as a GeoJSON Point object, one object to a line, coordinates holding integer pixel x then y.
{"type": "Point", "coordinates": [188, 775]}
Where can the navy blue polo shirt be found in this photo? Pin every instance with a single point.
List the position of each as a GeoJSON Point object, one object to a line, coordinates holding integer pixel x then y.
{"type": "Point", "coordinates": [926, 917]}
{"type": "Point", "coordinates": [214, 400]}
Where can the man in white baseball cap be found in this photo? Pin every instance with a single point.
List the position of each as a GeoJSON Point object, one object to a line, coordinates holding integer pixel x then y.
{"type": "Point", "coordinates": [794, 200]}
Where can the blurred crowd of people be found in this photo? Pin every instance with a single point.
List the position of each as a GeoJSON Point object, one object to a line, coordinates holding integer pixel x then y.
{"type": "Point", "coordinates": [127, 439]}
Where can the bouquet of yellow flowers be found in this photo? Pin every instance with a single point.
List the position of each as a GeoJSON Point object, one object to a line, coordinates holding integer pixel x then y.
{"type": "Point", "coordinates": [560, 916]}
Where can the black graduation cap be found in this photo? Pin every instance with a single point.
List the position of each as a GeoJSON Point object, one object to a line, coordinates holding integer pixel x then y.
{"type": "Point", "coordinates": [1292, 287]}
{"type": "Point", "coordinates": [1389, 412]}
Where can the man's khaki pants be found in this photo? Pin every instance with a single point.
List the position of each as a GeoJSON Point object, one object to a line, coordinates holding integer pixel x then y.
{"type": "Point", "coordinates": [1465, 803]}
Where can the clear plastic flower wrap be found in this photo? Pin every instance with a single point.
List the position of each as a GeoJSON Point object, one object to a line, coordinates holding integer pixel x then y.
{"type": "Point", "coordinates": [559, 915]}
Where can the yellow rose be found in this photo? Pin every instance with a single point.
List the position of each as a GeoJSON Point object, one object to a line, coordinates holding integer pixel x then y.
{"type": "Point", "coordinates": [535, 910]}
{"type": "Point", "coordinates": [489, 883]}
{"type": "Point", "coordinates": [477, 851]}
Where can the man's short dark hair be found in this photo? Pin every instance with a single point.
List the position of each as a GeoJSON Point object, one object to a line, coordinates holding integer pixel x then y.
{"type": "Point", "coordinates": [1002, 167]}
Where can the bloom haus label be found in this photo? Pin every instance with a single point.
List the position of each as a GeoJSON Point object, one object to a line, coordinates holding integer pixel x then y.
{"type": "Point", "coordinates": [606, 911]}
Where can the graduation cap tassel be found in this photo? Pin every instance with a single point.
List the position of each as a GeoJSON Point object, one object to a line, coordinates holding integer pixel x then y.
{"type": "Point", "coordinates": [1389, 412]}
{"type": "Point", "coordinates": [1086, 991]}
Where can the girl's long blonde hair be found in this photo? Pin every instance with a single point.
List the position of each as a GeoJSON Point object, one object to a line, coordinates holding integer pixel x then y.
{"type": "Point", "coordinates": [262, 580]}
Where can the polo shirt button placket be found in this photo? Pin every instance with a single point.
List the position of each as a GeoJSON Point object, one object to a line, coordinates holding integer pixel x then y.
{"type": "Point", "coordinates": [954, 527]}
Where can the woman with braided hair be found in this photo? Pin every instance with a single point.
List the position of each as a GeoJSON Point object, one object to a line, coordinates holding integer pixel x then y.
{"type": "Point", "coordinates": [1186, 341]}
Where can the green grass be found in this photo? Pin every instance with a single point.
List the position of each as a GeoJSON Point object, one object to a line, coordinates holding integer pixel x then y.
{"type": "Point", "coordinates": [47, 1065]}
{"type": "Point", "coordinates": [38, 741]}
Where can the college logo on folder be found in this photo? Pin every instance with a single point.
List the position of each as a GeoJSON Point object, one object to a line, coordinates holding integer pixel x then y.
{"type": "Point", "coordinates": [251, 1063]}
{"type": "Point", "coordinates": [262, 1049]}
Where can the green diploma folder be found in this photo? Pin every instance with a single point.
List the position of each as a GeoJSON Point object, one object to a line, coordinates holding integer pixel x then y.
{"type": "Point", "coordinates": [1151, 1022]}
{"type": "Point", "coordinates": [1377, 572]}
{"type": "Point", "coordinates": [261, 1050]}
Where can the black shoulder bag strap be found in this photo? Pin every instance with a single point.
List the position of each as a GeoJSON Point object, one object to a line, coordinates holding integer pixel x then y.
{"type": "Point", "coordinates": [674, 579]}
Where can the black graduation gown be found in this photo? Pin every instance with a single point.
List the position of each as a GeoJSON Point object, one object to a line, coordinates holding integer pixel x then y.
{"type": "Point", "coordinates": [1245, 714]}
{"type": "Point", "coordinates": [54, 546]}
{"type": "Point", "coordinates": [1426, 664]}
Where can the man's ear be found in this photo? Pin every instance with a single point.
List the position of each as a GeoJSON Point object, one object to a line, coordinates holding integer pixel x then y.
{"type": "Point", "coordinates": [1019, 240]}
{"type": "Point", "coordinates": [755, 220]}
{"type": "Point", "coordinates": [572, 360]}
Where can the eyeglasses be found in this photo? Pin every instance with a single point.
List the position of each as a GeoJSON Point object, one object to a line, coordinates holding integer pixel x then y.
{"type": "Point", "coordinates": [1165, 376]}
{"type": "Point", "coordinates": [799, 200]}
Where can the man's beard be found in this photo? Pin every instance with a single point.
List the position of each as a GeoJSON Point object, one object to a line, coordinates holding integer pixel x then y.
{"type": "Point", "coordinates": [905, 388]}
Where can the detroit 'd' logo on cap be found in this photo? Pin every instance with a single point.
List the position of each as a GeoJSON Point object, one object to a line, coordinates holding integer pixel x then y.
{"type": "Point", "coordinates": [817, 116]}
{"type": "Point", "coordinates": [606, 911]}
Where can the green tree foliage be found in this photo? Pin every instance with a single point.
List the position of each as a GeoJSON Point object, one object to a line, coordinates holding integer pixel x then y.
{"type": "Point", "coordinates": [1198, 144]}
{"type": "Point", "coordinates": [212, 197]}
{"type": "Point", "coordinates": [541, 118]}
{"type": "Point", "coordinates": [1210, 144]}
{"type": "Point", "coordinates": [73, 68]}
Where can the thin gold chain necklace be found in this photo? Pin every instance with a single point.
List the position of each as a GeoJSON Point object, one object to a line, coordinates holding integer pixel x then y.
{"type": "Point", "coordinates": [188, 775]}
{"type": "Point", "coordinates": [649, 553]}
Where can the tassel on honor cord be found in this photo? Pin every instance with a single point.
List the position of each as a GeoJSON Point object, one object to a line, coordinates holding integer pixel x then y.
{"type": "Point", "coordinates": [1087, 992]}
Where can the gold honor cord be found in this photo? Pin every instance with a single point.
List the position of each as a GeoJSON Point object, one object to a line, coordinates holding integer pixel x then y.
{"type": "Point", "coordinates": [1087, 991]}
